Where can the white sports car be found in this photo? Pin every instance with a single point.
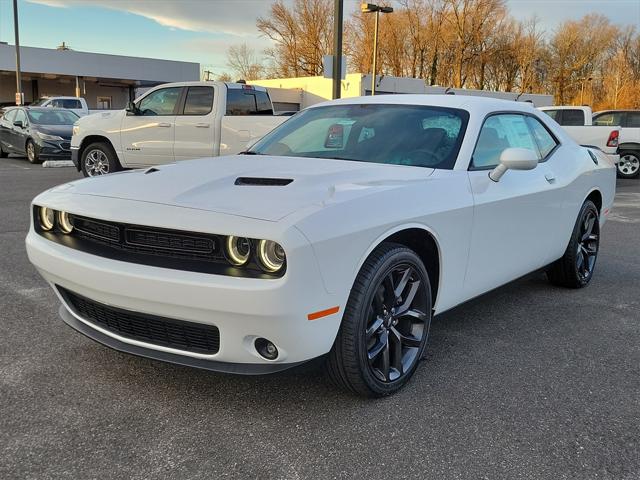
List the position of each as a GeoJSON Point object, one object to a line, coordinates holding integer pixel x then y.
{"type": "Point", "coordinates": [339, 234]}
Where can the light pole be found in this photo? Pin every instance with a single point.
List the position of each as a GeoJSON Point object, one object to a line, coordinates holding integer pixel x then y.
{"type": "Point", "coordinates": [372, 8]}
{"type": "Point", "coordinates": [19, 99]}
{"type": "Point", "coordinates": [337, 47]}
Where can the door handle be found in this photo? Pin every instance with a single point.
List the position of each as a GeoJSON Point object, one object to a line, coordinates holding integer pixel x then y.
{"type": "Point", "coordinates": [550, 178]}
{"type": "Point", "coordinates": [164, 124]}
{"type": "Point", "coordinates": [202, 125]}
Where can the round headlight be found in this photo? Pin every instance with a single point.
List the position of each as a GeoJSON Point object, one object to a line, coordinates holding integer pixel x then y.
{"type": "Point", "coordinates": [238, 250]}
{"type": "Point", "coordinates": [271, 255]}
{"type": "Point", "coordinates": [47, 218]}
{"type": "Point", "coordinates": [65, 222]}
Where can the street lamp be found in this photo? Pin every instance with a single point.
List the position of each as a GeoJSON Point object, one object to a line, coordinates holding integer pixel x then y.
{"type": "Point", "coordinates": [372, 8]}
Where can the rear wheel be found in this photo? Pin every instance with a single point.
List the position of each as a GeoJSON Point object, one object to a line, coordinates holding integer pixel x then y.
{"type": "Point", "coordinates": [629, 164]}
{"type": "Point", "coordinates": [32, 152]}
{"type": "Point", "coordinates": [385, 325]}
{"type": "Point", "coordinates": [99, 159]}
{"type": "Point", "coordinates": [3, 154]}
{"type": "Point", "coordinates": [575, 268]}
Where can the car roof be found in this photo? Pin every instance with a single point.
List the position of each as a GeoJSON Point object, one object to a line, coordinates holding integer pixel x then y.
{"type": "Point", "coordinates": [464, 102]}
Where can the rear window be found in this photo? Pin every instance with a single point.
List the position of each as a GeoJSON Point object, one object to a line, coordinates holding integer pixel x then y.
{"type": "Point", "coordinates": [245, 101]}
{"type": "Point", "coordinates": [610, 119]}
{"type": "Point", "coordinates": [633, 119]}
{"type": "Point", "coordinates": [572, 117]}
{"type": "Point", "coordinates": [199, 101]}
{"type": "Point", "coordinates": [66, 103]}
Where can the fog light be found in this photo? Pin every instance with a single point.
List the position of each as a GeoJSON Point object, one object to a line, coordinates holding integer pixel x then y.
{"type": "Point", "coordinates": [47, 218]}
{"type": "Point", "coordinates": [266, 348]}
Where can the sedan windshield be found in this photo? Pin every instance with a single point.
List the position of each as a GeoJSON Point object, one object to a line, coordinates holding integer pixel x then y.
{"type": "Point", "coordinates": [51, 116]}
{"type": "Point", "coordinates": [422, 136]}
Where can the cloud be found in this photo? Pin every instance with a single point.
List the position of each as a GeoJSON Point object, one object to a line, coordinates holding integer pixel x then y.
{"type": "Point", "coordinates": [235, 17]}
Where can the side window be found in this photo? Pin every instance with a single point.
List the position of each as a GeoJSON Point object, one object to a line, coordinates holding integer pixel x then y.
{"type": "Point", "coordinates": [572, 118]}
{"type": "Point", "coordinates": [199, 101]}
{"type": "Point", "coordinates": [633, 119]}
{"type": "Point", "coordinates": [160, 102]}
{"type": "Point", "coordinates": [498, 133]}
{"type": "Point", "coordinates": [263, 103]}
{"type": "Point", "coordinates": [240, 103]}
{"type": "Point", "coordinates": [610, 119]}
{"type": "Point", "coordinates": [70, 103]}
{"type": "Point", "coordinates": [555, 114]}
{"type": "Point", "coordinates": [21, 117]}
{"type": "Point", "coordinates": [10, 115]}
{"type": "Point", "coordinates": [545, 141]}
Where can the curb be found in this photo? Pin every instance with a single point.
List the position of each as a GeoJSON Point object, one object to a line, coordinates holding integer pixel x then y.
{"type": "Point", "coordinates": [57, 163]}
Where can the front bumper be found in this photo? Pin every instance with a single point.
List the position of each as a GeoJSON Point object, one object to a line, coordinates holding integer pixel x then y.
{"type": "Point", "coordinates": [55, 150]}
{"type": "Point", "coordinates": [243, 309]}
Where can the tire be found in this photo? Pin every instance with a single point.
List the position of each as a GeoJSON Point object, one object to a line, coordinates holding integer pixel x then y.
{"type": "Point", "coordinates": [32, 152]}
{"type": "Point", "coordinates": [374, 324]}
{"type": "Point", "coordinates": [629, 165]}
{"type": "Point", "coordinates": [3, 154]}
{"type": "Point", "coordinates": [575, 268]}
{"type": "Point", "coordinates": [99, 159]}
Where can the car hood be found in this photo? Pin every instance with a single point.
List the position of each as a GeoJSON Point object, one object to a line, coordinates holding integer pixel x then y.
{"type": "Point", "coordinates": [63, 131]}
{"type": "Point", "coordinates": [252, 186]}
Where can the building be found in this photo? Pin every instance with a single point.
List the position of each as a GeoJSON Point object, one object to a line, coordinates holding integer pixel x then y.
{"type": "Point", "coordinates": [301, 92]}
{"type": "Point", "coordinates": [105, 81]}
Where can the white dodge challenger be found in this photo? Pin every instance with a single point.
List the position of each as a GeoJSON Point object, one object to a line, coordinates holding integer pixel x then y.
{"type": "Point", "coordinates": [338, 235]}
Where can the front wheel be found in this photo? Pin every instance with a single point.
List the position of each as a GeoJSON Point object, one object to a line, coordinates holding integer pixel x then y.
{"type": "Point", "coordinates": [32, 153]}
{"type": "Point", "coordinates": [575, 268]}
{"type": "Point", "coordinates": [629, 164]}
{"type": "Point", "coordinates": [385, 324]}
{"type": "Point", "coordinates": [99, 159]}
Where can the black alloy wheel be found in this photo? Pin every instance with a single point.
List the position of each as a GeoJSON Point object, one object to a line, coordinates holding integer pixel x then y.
{"type": "Point", "coordinates": [575, 268]}
{"type": "Point", "coordinates": [385, 325]}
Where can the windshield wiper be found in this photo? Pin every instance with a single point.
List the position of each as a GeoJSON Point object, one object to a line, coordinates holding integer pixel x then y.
{"type": "Point", "coordinates": [249, 152]}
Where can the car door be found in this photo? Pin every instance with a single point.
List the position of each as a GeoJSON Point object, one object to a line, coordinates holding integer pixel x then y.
{"type": "Point", "coordinates": [147, 135]}
{"type": "Point", "coordinates": [194, 130]}
{"type": "Point", "coordinates": [19, 133]}
{"type": "Point", "coordinates": [6, 130]}
{"type": "Point", "coordinates": [516, 221]}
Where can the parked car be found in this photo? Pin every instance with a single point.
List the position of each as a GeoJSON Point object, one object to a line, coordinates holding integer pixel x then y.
{"type": "Point", "coordinates": [77, 105]}
{"type": "Point", "coordinates": [627, 136]}
{"type": "Point", "coordinates": [576, 121]}
{"type": "Point", "coordinates": [37, 133]}
{"type": "Point", "coordinates": [629, 120]}
{"type": "Point", "coordinates": [338, 234]}
{"type": "Point", "coordinates": [175, 121]}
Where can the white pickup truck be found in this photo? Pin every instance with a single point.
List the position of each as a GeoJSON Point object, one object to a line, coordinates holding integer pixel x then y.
{"type": "Point", "coordinates": [611, 127]}
{"type": "Point", "coordinates": [174, 121]}
{"type": "Point", "coordinates": [77, 105]}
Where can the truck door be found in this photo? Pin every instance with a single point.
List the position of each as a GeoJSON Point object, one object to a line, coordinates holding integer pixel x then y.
{"type": "Point", "coordinates": [148, 135]}
{"type": "Point", "coordinates": [195, 130]}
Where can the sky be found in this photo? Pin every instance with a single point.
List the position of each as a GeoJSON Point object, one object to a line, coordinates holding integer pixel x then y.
{"type": "Point", "coordinates": [201, 30]}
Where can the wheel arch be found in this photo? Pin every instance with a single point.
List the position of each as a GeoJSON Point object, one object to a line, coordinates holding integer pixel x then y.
{"type": "Point", "coordinates": [89, 139]}
{"type": "Point", "coordinates": [596, 197]}
{"type": "Point", "coordinates": [424, 242]}
{"type": "Point", "coordinates": [633, 146]}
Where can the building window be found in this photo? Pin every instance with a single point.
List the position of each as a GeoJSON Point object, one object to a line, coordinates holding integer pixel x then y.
{"type": "Point", "coordinates": [104, 103]}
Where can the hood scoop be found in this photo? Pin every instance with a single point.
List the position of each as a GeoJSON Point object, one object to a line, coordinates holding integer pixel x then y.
{"type": "Point", "coordinates": [263, 181]}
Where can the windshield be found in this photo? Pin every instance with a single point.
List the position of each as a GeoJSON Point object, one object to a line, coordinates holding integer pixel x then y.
{"type": "Point", "coordinates": [52, 116]}
{"type": "Point", "coordinates": [422, 136]}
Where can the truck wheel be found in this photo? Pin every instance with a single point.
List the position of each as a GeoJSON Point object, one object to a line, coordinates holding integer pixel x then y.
{"type": "Point", "coordinates": [629, 164]}
{"type": "Point", "coordinates": [99, 159]}
{"type": "Point", "coordinates": [32, 152]}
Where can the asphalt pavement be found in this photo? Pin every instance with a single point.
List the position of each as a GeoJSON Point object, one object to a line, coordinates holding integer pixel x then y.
{"type": "Point", "coordinates": [530, 381]}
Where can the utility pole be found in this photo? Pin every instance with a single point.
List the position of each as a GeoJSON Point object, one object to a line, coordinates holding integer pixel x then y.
{"type": "Point", "coordinates": [19, 96]}
{"type": "Point", "coordinates": [337, 48]}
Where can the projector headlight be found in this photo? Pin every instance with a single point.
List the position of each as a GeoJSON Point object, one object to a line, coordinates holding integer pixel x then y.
{"type": "Point", "coordinates": [47, 218]}
{"type": "Point", "coordinates": [270, 256]}
{"type": "Point", "coordinates": [238, 250]}
{"type": "Point", "coordinates": [65, 222]}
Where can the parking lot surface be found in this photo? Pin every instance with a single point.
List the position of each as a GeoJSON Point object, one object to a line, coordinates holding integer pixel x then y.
{"type": "Point", "coordinates": [530, 381]}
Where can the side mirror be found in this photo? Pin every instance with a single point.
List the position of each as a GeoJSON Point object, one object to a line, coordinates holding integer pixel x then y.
{"type": "Point", "coordinates": [132, 109]}
{"type": "Point", "coordinates": [514, 159]}
{"type": "Point", "coordinates": [18, 123]}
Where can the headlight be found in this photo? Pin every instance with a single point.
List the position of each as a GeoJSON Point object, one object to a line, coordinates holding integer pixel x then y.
{"type": "Point", "coordinates": [270, 255]}
{"type": "Point", "coordinates": [65, 222]}
{"type": "Point", "coordinates": [47, 218]}
{"type": "Point", "coordinates": [238, 250]}
{"type": "Point", "coordinates": [45, 136]}
{"type": "Point", "coordinates": [76, 129]}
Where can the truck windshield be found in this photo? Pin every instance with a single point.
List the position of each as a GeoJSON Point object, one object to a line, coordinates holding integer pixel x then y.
{"type": "Point", "coordinates": [423, 136]}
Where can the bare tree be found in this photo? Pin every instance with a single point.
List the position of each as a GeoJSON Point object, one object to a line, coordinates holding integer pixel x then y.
{"type": "Point", "coordinates": [244, 62]}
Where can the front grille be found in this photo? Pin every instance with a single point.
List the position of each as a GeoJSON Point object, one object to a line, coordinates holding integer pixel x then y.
{"type": "Point", "coordinates": [65, 146]}
{"type": "Point", "coordinates": [95, 228]}
{"type": "Point", "coordinates": [165, 332]}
